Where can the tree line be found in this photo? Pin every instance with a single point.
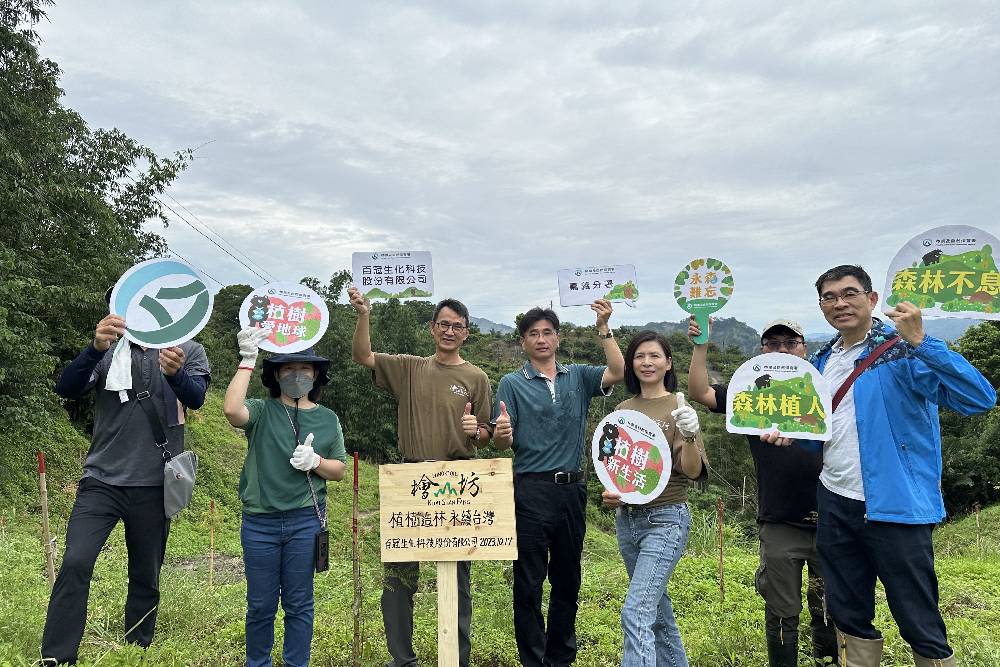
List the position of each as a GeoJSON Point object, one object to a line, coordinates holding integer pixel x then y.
{"type": "Point", "coordinates": [73, 202]}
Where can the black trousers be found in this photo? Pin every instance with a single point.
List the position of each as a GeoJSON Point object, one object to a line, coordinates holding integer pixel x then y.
{"type": "Point", "coordinates": [97, 510]}
{"type": "Point", "coordinates": [551, 525]}
{"type": "Point", "coordinates": [855, 551]}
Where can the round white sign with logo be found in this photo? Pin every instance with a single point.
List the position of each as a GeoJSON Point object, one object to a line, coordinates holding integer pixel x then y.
{"type": "Point", "coordinates": [296, 316]}
{"type": "Point", "coordinates": [631, 456]}
{"type": "Point", "coordinates": [164, 302]}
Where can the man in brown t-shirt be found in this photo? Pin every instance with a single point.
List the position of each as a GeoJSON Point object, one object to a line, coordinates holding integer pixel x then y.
{"type": "Point", "coordinates": [443, 414]}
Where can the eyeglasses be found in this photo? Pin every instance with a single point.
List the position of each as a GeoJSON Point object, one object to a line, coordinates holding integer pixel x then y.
{"type": "Point", "coordinates": [456, 327]}
{"type": "Point", "coordinates": [535, 334]}
{"type": "Point", "coordinates": [848, 295]}
{"type": "Point", "coordinates": [773, 345]}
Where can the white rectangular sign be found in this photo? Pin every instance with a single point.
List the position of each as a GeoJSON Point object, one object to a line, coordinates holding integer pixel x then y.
{"type": "Point", "coordinates": [403, 274]}
{"type": "Point", "coordinates": [584, 285]}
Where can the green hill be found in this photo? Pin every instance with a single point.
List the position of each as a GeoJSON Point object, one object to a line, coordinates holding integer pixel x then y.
{"type": "Point", "coordinates": [202, 625]}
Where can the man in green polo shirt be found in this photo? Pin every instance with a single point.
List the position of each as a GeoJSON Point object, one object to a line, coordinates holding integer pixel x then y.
{"type": "Point", "coordinates": [541, 412]}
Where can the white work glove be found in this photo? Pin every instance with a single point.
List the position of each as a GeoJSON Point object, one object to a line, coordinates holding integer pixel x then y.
{"type": "Point", "coordinates": [304, 458]}
{"type": "Point", "coordinates": [685, 417]}
{"type": "Point", "coordinates": [249, 340]}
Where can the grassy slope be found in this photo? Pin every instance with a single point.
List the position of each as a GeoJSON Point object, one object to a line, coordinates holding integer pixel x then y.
{"type": "Point", "coordinates": [202, 625]}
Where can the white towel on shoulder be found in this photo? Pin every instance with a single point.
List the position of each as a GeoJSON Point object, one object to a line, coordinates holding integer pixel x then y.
{"type": "Point", "coordinates": [120, 373]}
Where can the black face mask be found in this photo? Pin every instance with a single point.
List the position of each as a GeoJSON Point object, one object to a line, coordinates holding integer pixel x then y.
{"type": "Point", "coordinates": [296, 384]}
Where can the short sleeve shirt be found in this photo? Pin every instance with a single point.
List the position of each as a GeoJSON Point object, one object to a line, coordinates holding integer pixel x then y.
{"type": "Point", "coordinates": [268, 482]}
{"type": "Point", "coordinates": [432, 398]}
{"type": "Point", "coordinates": [549, 418]}
{"type": "Point", "coordinates": [659, 409]}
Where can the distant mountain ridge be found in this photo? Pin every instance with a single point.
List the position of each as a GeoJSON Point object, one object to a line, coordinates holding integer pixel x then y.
{"type": "Point", "coordinates": [726, 331]}
{"type": "Point", "coordinates": [945, 329]}
{"type": "Point", "coordinates": [488, 326]}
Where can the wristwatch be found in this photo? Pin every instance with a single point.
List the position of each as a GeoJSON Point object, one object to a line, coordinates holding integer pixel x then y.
{"type": "Point", "coordinates": [610, 334]}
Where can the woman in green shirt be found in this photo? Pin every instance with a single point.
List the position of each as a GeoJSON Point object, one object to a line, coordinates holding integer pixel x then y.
{"type": "Point", "coordinates": [283, 490]}
{"type": "Point", "coordinates": [652, 537]}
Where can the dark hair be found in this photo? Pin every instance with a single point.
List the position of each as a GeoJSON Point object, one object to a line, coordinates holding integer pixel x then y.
{"type": "Point", "coordinates": [631, 379]}
{"type": "Point", "coordinates": [313, 395]}
{"type": "Point", "coordinates": [844, 271]}
{"type": "Point", "coordinates": [534, 315]}
{"type": "Point", "coordinates": [455, 305]}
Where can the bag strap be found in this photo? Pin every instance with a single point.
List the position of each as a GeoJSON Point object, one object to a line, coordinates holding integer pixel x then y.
{"type": "Point", "coordinates": [142, 398]}
{"type": "Point", "coordinates": [861, 368]}
{"type": "Point", "coordinates": [294, 423]}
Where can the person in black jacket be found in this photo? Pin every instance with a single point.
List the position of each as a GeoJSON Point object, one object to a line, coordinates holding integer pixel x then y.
{"type": "Point", "coordinates": [122, 480]}
{"type": "Point", "coordinates": [786, 513]}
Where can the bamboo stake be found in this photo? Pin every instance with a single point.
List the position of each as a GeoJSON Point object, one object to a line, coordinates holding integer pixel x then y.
{"type": "Point", "coordinates": [47, 546]}
{"type": "Point", "coordinates": [356, 607]}
{"type": "Point", "coordinates": [211, 542]}
{"type": "Point", "coordinates": [979, 535]}
{"type": "Point", "coordinates": [720, 505]}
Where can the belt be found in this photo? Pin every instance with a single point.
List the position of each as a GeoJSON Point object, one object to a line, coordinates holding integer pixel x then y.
{"type": "Point", "coordinates": [555, 476]}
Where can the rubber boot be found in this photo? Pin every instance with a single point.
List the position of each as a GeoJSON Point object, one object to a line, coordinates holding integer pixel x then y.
{"type": "Point", "coordinates": [858, 652]}
{"type": "Point", "coordinates": [824, 639]}
{"type": "Point", "coordinates": [783, 653]}
{"type": "Point", "coordinates": [921, 661]}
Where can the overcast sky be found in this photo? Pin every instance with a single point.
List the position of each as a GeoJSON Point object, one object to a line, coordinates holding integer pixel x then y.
{"type": "Point", "coordinates": [513, 139]}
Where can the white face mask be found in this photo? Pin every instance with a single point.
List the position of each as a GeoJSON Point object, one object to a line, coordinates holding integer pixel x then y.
{"type": "Point", "coordinates": [296, 384]}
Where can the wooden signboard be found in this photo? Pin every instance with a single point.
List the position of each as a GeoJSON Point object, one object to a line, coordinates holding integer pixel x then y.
{"type": "Point", "coordinates": [447, 511]}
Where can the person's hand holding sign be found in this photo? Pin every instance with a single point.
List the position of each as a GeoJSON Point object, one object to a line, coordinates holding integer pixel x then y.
{"type": "Point", "coordinates": [171, 360]}
{"type": "Point", "coordinates": [603, 309]}
{"type": "Point", "coordinates": [611, 499]}
{"type": "Point", "coordinates": [909, 322]}
{"type": "Point", "coordinates": [358, 300]}
{"type": "Point", "coordinates": [686, 418]}
{"type": "Point", "coordinates": [694, 330]}
{"type": "Point", "coordinates": [775, 438]}
{"type": "Point", "coordinates": [108, 330]}
{"type": "Point", "coordinates": [470, 425]}
{"type": "Point", "coordinates": [249, 340]}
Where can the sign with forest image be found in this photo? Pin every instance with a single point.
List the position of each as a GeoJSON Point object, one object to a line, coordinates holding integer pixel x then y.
{"type": "Point", "coordinates": [703, 287]}
{"type": "Point", "coordinates": [947, 272]}
{"type": "Point", "coordinates": [583, 285]}
{"type": "Point", "coordinates": [401, 274]}
{"type": "Point", "coordinates": [779, 392]}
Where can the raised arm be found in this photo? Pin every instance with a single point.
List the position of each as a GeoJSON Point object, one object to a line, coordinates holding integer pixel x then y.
{"type": "Point", "coordinates": [615, 372]}
{"type": "Point", "coordinates": [233, 407]}
{"type": "Point", "coordinates": [361, 344]}
{"type": "Point", "coordinates": [698, 387]}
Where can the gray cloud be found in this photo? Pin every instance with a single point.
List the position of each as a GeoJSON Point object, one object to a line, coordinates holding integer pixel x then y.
{"type": "Point", "coordinates": [514, 139]}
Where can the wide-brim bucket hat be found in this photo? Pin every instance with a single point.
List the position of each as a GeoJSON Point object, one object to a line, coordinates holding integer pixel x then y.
{"type": "Point", "coordinates": [307, 356]}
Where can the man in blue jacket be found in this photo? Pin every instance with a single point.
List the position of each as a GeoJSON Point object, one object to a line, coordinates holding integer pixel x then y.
{"type": "Point", "coordinates": [880, 489]}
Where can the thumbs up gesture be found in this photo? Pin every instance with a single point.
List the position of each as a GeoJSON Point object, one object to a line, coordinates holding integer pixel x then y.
{"type": "Point", "coordinates": [503, 431]}
{"type": "Point", "coordinates": [470, 425]}
{"type": "Point", "coordinates": [304, 457]}
{"type": "Point", "coordinates": [685, 417]}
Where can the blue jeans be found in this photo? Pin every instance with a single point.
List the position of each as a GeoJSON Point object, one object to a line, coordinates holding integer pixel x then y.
{"type": "Point", "coordinates": [278, 553]}
{"type": "Point", "coordinates": [651, 541]}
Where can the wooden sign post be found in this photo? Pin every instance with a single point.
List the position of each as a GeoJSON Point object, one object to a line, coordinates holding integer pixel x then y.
{"type": "Point", "coordinates": [447, 511]}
